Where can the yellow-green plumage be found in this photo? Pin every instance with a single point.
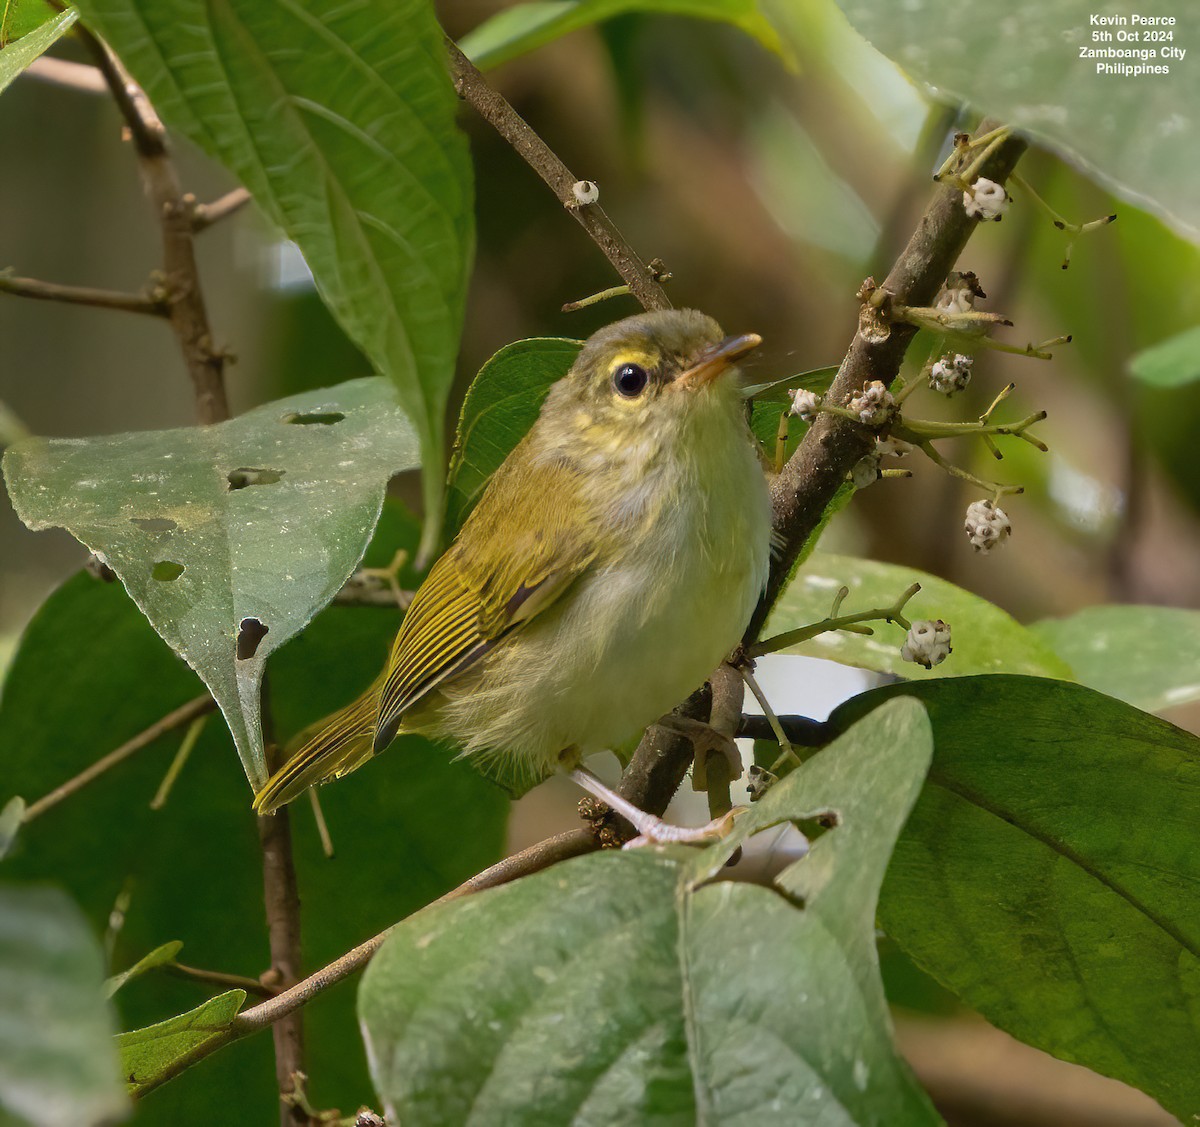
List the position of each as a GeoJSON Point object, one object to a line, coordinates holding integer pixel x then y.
{"type": "Point", "coordinates": [611, 563]}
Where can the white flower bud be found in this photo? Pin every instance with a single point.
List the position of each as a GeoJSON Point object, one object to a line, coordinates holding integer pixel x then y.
{"type": "Point", "coordinates": [874, 404]}
{"type": "Point", "coordinates": [987, 525]}
{"type": "Point", "coordinates": [951, 373]}
{"type": "Point", "coordinates": [927, 644]}
{"type": "Point", "coordinates": [985, 198]}
{"type": "Point", "coordinates": [895, 447]}
{"type": "Point", "coordinates": [865, 471]}
{"type": "Point", "coordinates": [806, 404]}
{"type": "Point", "coordinates": [585, 192]}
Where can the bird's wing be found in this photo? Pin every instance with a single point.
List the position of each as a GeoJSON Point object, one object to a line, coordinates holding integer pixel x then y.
{"type": "Point", "coordinates": [524, 545]}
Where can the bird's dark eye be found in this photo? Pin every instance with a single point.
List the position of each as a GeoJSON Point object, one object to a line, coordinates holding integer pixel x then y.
{"type": "Point", "coordinates": [630, 380]}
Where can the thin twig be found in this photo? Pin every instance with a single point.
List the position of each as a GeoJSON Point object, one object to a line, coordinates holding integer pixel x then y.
{"type": "Point", "coordinates": [187, 312]}
{"type": "Point", "coordinates": [84, 295]}
{"type": "Point", "coordinates": [72, 76]}
{"type": "Point", "coordinates": [492, 107]}
{"type": "Point", "coordinates": [204, 215]}
{"type": "Point", "coordinates": [184, 714]}
{"type": "Point", "coordinates": [220, 978]}
{"type": "Point", "coordinates": [190, 738]}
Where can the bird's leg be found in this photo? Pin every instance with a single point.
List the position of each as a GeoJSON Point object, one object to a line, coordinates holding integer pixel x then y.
{"type": "Point", "coordinates": [651, 829]}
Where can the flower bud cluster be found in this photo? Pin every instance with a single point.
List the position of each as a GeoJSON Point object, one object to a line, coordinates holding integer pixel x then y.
{"type": "Point", "coordinates": [951, 373]}
{"type": "Point", "coordinates": [986, 199]}
{"type": "Point", "coordinates": [987, 525]}
{"type": "Point", "coordinates": [927, 644]}
{"type": "Point", "coordinates": [806, 404]}
{"type": "Point", "coordinates": [873, 405]}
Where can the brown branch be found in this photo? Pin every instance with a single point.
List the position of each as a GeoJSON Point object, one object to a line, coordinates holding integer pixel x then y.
{"type": "Point", "coordinates": [186, 310]}
{"type": "Point", "coordinates": [83, 295]}
{"type": "Point", "coordinates": [204, 215]}
{"type": "Point", "coordinates": [206, 365]}
{"type": "Point", "coordinates": [281, 899]}
{"type": "Point", "coordinates": [184, 714]}
{"type": "Point", "coordinates": [493, 108]}
{"type": "Point", "coordinates": [801, 494]}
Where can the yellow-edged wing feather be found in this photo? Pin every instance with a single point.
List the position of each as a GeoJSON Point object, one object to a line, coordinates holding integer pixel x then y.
{"type": "Point", "coordinates": [528, 539]}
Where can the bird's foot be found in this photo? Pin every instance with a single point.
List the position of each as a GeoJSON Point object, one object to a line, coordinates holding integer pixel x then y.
{"type": "Point", "coordinates": [650, 828]}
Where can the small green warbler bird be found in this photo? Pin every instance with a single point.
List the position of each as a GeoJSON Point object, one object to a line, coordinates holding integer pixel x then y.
{"type": "Point", "coordinates": [612, 562]}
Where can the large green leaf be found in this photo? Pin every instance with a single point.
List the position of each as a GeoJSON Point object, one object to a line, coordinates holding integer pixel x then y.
{"type": "Point", "coordinates": [1137, 134]}
{"type": "Point", "coordinates": [626, 988]}
{"type": "Point", "coordinates": [985, 638]}
{"type": "Point", "coordinates": [1050, 874]}
{"type": "Point", "coordinates": [525, 27]}
{"type": "Point", "coordinates": [192, 870]}
{"type": "Point", "coordinates": [1146, 656]}
{"type": "Point", "coordinates": [339, 118]}
{"type": "Point", "coordinates": [16, 57]}
{"type": "Point", "coordinates": [501, 405]}
{"type": "Point", "coordinates": [57, 1063]}
{"type": "Point", "coordinates": [229, 537]}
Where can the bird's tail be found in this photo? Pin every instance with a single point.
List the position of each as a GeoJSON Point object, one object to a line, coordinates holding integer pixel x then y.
{"type": "Point", "coordinates": [326, 750]}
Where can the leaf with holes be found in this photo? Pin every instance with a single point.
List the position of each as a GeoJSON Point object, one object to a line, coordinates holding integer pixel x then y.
{"type": "Point", "coordinates": [1050, 874]}
{"type": "Point", "coordinates": [229, 537]}
{"type": "Point", "coordinates": [629, 988]}
{"type": "Point", "coordinates": [57, 1065]}
{"type": "Point", "coordinates": [501, 405]}
{"type": "Point", "coordinates": [340, 120]}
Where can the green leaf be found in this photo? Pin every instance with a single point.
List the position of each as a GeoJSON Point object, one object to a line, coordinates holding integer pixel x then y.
{"type": "Point", "coordinates": [16, 56]}
{"type": "Point", "coordinates": [219, 532]}
{"type": "Point", "coordinates": [525, 27]}
{"type": "Point", "coordinates": [771, 400]}
{"type": "Point", "coordinates": [339, 119]}
{"type": "Point", "coordinates": [193, 870]}
{"type": "Point", "coordinates": [501, 405]}
{"type": "Point", "coordinates": [1050, 874]}
{"type": "Point", "coordinates": [985, 638]}
{"type": "Point", "coordinates": [160, 956]}
{"type": "Point", "coordinates": [10, 823]}
{"type": "Point", "coordinates": [1135, 134]}
{"type": "Point", "coordinates": [57, 1064]}
{"type": "Point", "coordinates": [147, 1054]}
{"type": "Point", "coordinates": [1146, 656]}
{"type": "Point", "coordinates": [1170, 363]}
{"type": "Point", "coordinates": [627, 988]}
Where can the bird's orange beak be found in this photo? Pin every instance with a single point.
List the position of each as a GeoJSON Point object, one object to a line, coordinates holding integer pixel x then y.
{"type": "Point", "coordinates": [717, 358]}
